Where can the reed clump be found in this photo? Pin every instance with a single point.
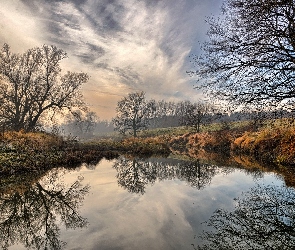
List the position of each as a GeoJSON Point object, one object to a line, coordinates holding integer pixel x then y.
{"type": "Point", "coordinates": [271, 145]}
{"type": "Point", "coordinates": [217, 141]}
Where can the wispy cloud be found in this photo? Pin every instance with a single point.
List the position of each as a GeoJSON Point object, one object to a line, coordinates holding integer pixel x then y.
{"type": "Point", "coordinates": [124, 45]}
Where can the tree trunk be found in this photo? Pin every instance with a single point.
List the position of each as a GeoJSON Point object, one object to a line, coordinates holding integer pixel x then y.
{"type": "Point", "coordinates": [134, 127]}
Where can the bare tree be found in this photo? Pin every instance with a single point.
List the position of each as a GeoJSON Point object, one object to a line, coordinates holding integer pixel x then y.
{"type": "Point", "coordinates": [181, 108]}
{"type": "Point", "coordinates": [195, 114]}
{"type": "Point", "coordinates": [133, 114]}
{"type": "Point", "coordinates": [31, 85]}
{"type": "Point", "coordinates": [250, 55]}
{"type": "Point", "coordinates": [81, 124]}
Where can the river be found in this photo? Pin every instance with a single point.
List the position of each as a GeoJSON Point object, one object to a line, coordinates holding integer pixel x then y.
{"type": "Point", "coordinates": [155, 203]}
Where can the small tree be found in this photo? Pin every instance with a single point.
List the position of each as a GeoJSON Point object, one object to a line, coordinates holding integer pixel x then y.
{"type": "Point", "coordinates": [31, 85]}
{"type": "Point", "coordinates": [81, 124]}
{"type": "Point", "coordinates": [133, 114]}
{"type": "Point", "coordinates": [196, 114]}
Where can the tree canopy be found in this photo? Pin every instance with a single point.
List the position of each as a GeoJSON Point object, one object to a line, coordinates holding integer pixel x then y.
{"type": "Point", "coordinates": [196, 114]}
{"type": "Point", "coordinates": [249, 57]}
{"type": "Point", "coordinates": [32, 85]}
{"type": "Point", "coordinates": [133, 113]}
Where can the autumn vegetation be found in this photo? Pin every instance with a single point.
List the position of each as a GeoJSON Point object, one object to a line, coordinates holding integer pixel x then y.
{"type": "Point", "coordinates": [237, 142]}
{"type": "Point", "coordinates": [273, 144]}
{"type": "Point", "coordinates": [31, 151]}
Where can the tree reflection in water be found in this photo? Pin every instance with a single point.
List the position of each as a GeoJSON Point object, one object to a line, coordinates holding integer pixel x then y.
{"type": "Point", "coordinates": [32, 217]}
{"type": "Point", "coordinates": [264, 218]}
{"type": "Point", "coordinates": [135, 174]}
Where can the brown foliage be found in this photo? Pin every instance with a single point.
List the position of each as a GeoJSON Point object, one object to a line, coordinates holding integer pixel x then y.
{"type": "Point", "coordinates": [271, 145]}
{"type": "Point", "coordinates": [31, 141]}
{"type": "Point", "coordinates": [218, 141]}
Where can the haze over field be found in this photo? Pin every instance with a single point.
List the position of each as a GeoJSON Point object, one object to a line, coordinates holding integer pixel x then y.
{"type": "Point", "coordinates": [124, 46]}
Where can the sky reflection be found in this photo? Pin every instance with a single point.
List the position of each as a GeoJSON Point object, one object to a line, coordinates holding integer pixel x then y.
{"type": "Point", "coordinates": [167, 216]}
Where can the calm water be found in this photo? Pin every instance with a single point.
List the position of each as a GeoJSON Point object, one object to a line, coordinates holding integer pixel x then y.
{"type": "Point", "coordinates": [149, 204]}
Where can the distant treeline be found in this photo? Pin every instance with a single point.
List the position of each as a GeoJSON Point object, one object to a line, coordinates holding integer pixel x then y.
{"type": "Point", "coordinates": [167, 114]}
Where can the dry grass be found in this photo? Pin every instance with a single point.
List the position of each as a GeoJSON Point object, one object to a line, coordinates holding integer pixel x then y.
{"type": "Point", "coordinates": [272, 145]}
{"type": "Point", "coordinates": [24, 152]}
{"type": "Point", "coordinates": [217, 141]}
{"type": "Point", "coordinates": [146, 146]}
{"type": "Point", "coordinates": [37, 141]}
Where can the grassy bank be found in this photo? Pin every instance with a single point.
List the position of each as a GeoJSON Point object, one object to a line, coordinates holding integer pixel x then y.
{"type": "Point", "coordinates": [22, 152]}
{"type": "Point", "coordinates": [271, 144]}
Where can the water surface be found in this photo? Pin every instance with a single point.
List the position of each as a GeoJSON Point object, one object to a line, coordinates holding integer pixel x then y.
{"type": "Point", "coordinates": [144, 204]}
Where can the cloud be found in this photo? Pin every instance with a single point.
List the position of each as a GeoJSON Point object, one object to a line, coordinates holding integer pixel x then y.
{"type": "Point", "coordinates": [17, 27]}
{"type": "Point", "coordinates": [123, 45]}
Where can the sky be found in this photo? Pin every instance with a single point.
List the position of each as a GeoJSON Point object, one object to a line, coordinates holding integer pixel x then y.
{"type": "Point", "coordinates": [123, 45]}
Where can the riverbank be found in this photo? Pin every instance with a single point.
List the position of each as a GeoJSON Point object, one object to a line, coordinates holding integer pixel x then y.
{"type": "Point", "coordinates": [24, 152]}
{"type": "Point", "coordinates": [21, 152]}
{"type": "Point", "coordinates": [270, 145]}
{"type": "Point", "coordinates": [267, 150]}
